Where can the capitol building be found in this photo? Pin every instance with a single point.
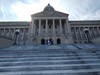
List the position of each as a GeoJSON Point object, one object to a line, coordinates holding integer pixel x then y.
{"type": "Point", "coordinates": [52, 25]}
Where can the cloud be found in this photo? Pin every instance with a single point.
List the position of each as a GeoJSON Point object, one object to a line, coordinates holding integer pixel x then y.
{"type": "Point", "coordinates": [6, 11]}
{"type": "Point", "coordinates": [82, 9]}
{"type": "Point", "coordinates": [20, 10]}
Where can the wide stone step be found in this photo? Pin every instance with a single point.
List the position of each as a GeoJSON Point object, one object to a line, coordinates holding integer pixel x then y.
{"type": "Point", "coordinates": [55, 72]}
{"type": "Point", "coordinates": [51, 50]}
{"type": "Point", "coordinates": [47, 54]}
{"type": "Point", "coordinates": [61, 60]}
{"type": "Point", "coordinates": [47, 58]}
{"type": "Point", "coordinates": [32, 68]}
{"type": "Point", "coordinates": [51, 62]}
{"type": "Point", "coordinates": [28, 47]}
{"type": "Point", "coordinates": [23, 48]}
{"type": "Point", "coordinates": [62, 52]}
{"type": "Point", "coordinates": [92, 65]}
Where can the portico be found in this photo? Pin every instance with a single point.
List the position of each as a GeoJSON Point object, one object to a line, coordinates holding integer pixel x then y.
{"type": "Point", "coordinates": [50, 24]}
{"type": "Point", "coordinates": [50, 27]}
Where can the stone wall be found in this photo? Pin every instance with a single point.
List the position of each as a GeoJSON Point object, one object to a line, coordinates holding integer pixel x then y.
{"type": "Point", "coordinates": [96, 40]}
{"type": "Point", "coordinates": [5, 42]}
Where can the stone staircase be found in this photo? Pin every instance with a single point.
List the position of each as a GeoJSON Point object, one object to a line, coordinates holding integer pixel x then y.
{"type": "Point", "coordinates": [32, 60]}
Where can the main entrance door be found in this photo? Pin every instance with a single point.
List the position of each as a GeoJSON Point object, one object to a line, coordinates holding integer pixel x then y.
{"type": "Point", "coordinates": [58, 41]}
{"type": "Point", "coordinates": [42, 41]}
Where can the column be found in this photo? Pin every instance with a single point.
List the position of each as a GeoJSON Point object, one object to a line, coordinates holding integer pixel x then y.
{"type": "Point", "coordinates": [79, 32]}
{"type": "Point", "coordinates": [68, 30]}
{"type": "Point", "coordinates": [85, 35]}
{"type": "Point", "coordinates": [13, 32]}
{"type": "Point", "coordinates": [76, 33]}
{"type": "Point", "coordinates": [68, 26]}
{"type": "Point", "coordinates": [5, 32]}
{"type": "Point", "coordinates": [93, 32]}
{"type": "Point", "coordinates": [65, 25]}
{"type": "Point", "coordinates": [46, 27]}
{"type": "Point", "coordinates": [89, 31]}
{"type": "Point", "coordinates": [89, 34]}
{"type": "Point", "coordinates": [33, 27]}
{"type": "Point", "coordinates": [60, 26]}
{"type": "Point", "coordinates": [24, 36]}
{"type": "Point", "coordinates": [53, 27]}
{"type": "Point", "coordinates": [0, 31]}
{"type": "Point", "coordinates": [8, 34]}
{"type": "Point", "coordinates": [39, 27]}
{"type": "Point", "coordinates": [98, 30]}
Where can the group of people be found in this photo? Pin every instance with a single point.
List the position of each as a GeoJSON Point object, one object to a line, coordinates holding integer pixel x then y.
{"type": "Point", "coordinates": [49, 42]}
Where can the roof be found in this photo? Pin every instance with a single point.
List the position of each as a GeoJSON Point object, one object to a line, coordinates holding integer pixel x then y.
{"type": "Point", "coordinates": [85, 22]}
{"type": "Point", "coordinates": [50, 12]}
{"type": "Point", "coordinates": [15, 23]}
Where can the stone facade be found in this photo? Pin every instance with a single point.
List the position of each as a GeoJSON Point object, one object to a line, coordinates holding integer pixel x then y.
{"type": "Point", "coordinates": [51, 25]}
{"type": "Point", "coordinates": [78, 33]}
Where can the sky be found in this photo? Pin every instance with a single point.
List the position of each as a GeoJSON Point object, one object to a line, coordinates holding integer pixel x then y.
{"type": "Point", "coordinates": [21, 10]}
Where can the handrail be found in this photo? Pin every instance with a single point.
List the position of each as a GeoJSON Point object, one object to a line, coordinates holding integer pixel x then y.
{"type": "Point", "coordinates": [77, 46]}
{"type": "Point", "coordinates": [6, 37]}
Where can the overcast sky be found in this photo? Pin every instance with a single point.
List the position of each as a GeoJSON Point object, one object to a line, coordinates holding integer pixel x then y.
{"type": "Point", "coordinates": [21, 10]}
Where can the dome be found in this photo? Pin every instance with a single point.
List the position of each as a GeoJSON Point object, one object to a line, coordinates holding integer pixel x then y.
{"type": "Point", "coordinates": [48, 8]}
{"type": "Point", "coordinates": [49, 11]}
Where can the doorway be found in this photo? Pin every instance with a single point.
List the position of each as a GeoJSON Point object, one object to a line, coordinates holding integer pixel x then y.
{"type": "Point", "coordinates": [58, 41]}
{"type": "Point", "coordinates": [42, 41]}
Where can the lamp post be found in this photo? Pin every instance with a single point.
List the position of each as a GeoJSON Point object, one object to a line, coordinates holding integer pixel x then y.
{"type": "Point", "coordinates": [16, 35]}
{"type": "Point", "coordinates": [86, 30]}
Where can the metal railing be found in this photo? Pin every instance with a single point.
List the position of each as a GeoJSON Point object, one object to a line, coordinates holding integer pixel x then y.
{"type": "Point", "coordinates": [6, 37]}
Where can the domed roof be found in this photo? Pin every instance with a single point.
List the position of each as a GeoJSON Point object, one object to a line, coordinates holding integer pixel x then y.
{"type": "Point", "coordinates": [48, 8]}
